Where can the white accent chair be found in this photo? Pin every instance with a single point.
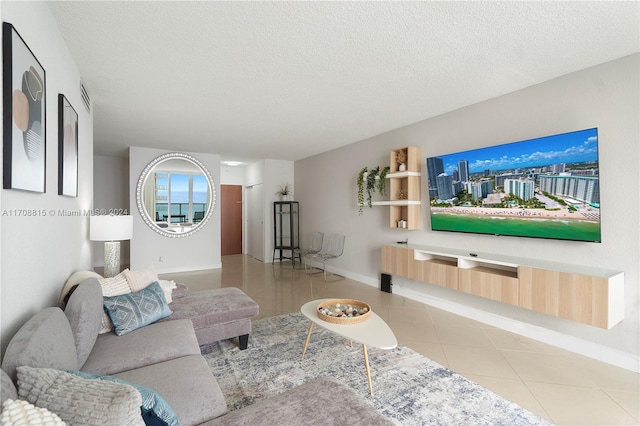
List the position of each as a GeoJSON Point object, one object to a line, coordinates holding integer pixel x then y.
{"type": "Point", "coordinates": [332, 248]}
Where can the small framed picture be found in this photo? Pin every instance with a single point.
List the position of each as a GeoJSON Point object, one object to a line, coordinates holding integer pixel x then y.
{"type": "Point", "coordinates": [24, 115]}
{"type": "Point", "coordinates": [67, 148]}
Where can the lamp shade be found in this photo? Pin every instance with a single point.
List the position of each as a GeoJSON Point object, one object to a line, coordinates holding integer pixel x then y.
{"type": "Point", "coordinates": [110, 228]}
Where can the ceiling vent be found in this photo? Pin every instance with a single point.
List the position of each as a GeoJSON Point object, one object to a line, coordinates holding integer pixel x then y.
{"type": "Point", "coordinates": [86, 100]}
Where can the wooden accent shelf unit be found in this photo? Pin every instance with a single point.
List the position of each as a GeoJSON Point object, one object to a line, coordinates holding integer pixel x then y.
{"type": "Point", "coordinates": [593, 296]}
{"type": "Point", "coordinates": [406, 182]}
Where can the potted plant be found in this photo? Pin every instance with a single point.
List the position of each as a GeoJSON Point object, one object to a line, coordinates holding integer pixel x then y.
{"type": "Point", "coordinates": [401, 159]}
{"type": "Point", "coordinates": [285, 191]}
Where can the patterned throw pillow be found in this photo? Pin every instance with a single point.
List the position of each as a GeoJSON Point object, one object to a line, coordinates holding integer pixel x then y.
{"type": "Point", "coordinates": [113, 286]}
{"type": "Point", "coordinates": [131, 311]}
{"type": "Point", "coordinates": [20, 412]}
{"type": "Point", "coordinates": [80, 401]}
{"type": "Point", "coordinates": [155, 410]}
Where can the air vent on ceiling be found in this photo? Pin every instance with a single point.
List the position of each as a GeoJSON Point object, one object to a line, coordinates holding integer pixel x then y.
{"type": "Point", "coordinates": [86, 100]}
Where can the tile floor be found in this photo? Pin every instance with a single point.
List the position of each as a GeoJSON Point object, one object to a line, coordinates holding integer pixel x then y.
{"type": "Point", "coordinates": [560, 386]}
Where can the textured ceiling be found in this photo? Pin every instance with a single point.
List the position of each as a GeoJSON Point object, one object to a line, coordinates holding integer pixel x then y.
{"type": "Point", "coordinates": [287, 80]}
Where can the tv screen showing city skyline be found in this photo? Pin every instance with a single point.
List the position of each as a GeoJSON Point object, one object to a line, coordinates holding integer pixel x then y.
{"type": "Point", "coordinates": [546, 187]}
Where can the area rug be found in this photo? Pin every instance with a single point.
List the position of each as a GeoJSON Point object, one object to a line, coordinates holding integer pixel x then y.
{"type": "Point", "coordinates": [409, 388]}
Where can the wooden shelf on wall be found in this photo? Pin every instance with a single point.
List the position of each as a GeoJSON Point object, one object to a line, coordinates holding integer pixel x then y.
{"type": "Point", "coordinates": [406, 206]}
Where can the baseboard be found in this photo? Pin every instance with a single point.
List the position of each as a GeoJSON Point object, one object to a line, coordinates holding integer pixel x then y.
{"type": "Point", "coordinates": [158, 269]}
{"type": "Point", "coordinates": [583, 347]}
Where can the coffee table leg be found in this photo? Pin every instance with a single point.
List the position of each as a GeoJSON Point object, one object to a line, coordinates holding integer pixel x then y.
{"type": "Point", "coordinates": [366, 364]}
{"type": "Point", "coordinates": [306, 342]}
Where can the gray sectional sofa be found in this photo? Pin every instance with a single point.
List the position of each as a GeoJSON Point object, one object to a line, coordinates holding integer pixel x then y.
{"type": "Point", "coordinates": [163, 357]}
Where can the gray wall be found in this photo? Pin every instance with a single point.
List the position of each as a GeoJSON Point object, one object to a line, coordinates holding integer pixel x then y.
{"type": "Point", "coordinates": [604, 96]}
{"type": "Point", "coordinates": [39, 253]}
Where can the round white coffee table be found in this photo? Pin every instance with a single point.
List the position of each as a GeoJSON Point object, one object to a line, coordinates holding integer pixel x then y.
{"type": "Point", "coordinates": [372, 332]}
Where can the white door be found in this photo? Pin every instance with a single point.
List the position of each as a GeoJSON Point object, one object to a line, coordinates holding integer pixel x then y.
{"type": "Point", "coordinates": [255, 222]}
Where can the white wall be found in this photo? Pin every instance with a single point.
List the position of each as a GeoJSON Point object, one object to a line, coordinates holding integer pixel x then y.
{"type": "Point", "coordinates": [266, 176]}
{"type": "Point", "coordinates": [231, 175]}
{"type": "Point", "coordinates": [111, 194]}
{"type": "Point", "coordinates": [276, 174]}
{"type": "Point", "coordinates": [39, 253]}
{"type": "Point", "coordinates": [604, 96]}
{"type": "Point", "coordinates": [195, 252]}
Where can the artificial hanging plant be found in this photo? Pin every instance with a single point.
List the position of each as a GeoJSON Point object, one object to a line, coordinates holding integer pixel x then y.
{"type": "Point", "coordinates": [360, 182]}
{"type": "Point", "coordinates": [371, 183]}
{"type": "Point", "coordinates": [382, 182]}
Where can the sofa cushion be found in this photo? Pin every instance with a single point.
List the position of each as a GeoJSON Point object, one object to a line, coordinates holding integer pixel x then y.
{"type": "Point", "coordinates": [209, 307]}
{"type": "Point", "coordinates": [131, 311]}
{"type": "Point", "coordinates": [187, 384]}
{"type": "Point", "coordinates": [20, 412]}
{"type": "Point", "coordinates": [155, 409]}
{"type": "Point", "coordinates": [45, 340]}
{"type": "Point", "coordinates": [323, 401]}
{"type": "Point", "coordinates": [84, 311]}
{"type": "Point", "coordinates": [148, 345]}
{"type": "Point", "coordinates": [80, 401]}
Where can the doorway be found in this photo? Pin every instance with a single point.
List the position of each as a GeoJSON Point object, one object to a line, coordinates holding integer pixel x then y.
{"type": "Point", "coordinates": [231, 219]}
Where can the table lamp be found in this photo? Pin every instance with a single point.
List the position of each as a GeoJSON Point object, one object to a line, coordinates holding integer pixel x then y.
{"type": "Point", "coordinates": [112, 230]}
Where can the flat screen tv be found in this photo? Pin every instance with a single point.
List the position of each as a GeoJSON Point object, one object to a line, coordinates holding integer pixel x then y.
{"type": "Point", "coordinates": [543, 188]}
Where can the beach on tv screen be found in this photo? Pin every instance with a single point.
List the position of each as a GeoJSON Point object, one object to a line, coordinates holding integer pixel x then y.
{"type": "Point", "coordinates": [542, 188]}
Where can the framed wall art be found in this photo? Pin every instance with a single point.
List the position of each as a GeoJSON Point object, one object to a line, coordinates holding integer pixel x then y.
{"type": "Point", "coordinates": [24, 116]}
{"type": "Point", "coordinates": [67, 148]}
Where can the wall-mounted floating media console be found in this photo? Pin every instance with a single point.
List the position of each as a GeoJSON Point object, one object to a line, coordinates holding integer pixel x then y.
{"type": "Point", "coordinates": [589, 295]}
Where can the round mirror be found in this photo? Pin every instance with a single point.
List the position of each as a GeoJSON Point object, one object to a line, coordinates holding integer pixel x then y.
{"type": "Point", "coordinates": [175, 195]}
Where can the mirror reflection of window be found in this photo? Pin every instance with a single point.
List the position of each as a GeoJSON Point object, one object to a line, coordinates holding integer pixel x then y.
{"type": "Point", "coordinates": [161, 196]}
{"type": "Point", "coordinates": [200, 197]}
{"type": "Point", "coordinates": [180, 197]}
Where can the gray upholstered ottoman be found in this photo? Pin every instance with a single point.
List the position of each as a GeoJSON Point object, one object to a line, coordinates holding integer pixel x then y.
{"type": "Point", "coordinates": [217, 314]}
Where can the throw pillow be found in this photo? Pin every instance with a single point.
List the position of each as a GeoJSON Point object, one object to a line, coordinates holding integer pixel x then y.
{"type": "Point", "coordinates": [131, 311]}
{"type": "Point", "coordinates": [142, 279]}
{"type": "Point", "coordinates": [20, 412]}
{"type": "Point", "coordinates": [137, 280]}
{"type": "Point", "coordinates": [155, 410]}
{"type": "Point", "coordinates": [80, 401]}
{"type": "Point", "coordinates": [113, 286]}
